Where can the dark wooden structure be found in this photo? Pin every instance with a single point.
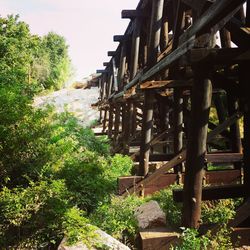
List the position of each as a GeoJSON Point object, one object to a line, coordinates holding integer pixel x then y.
{"type": "Point", "coordinates": [177, 91]}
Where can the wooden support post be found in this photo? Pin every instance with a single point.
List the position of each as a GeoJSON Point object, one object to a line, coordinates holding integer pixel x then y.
{"type": "Point", "coordinates": [218, 103]}
{"type": "Point", "coordinates": [147, 124]}
{"type": "Point", "coordinates": [154, 48]}
{"type": "Point", "coordinates": [178, 122]}
{"type": "Point", "coordinates": [134, 122]}
{"type": "Point", "coordinates": [235, 128]}
{"type": "Point", "coordinates": [196, 148]}
{"type": "Point", "coordinates": [111, 121]}
{"type": "Point", "coordinates": [122, 67]}
{"type": "Point", "coordinates": [117, 122]}
{"type": "Point", "coordinates": [104, 122]}
{"type": "Point", "coordinates": [126, 124]}
{"type": "Point", "coordinates": [135, 48]}
{"type": "Point", "coordinates": [245, 101]}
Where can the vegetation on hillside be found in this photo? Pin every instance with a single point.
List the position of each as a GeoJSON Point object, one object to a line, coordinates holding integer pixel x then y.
{"type": "Point", "coordinates": [53, 172]}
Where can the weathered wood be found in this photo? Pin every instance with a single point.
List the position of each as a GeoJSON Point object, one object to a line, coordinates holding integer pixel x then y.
{"type": "Point", "coordinates": [178, 125]}
{"type": "Point", "coordinates": [121, 38]}
{"type": "Point", "coordinates": [214, 192]}
{"type": "Point", "coordinates": [242, 213]}
{"type": "Point", "coordinates": [244, 85]}
{"type": "Point", "coordinates": [131, 14]}
{"type": "Point", "coordinates": [111, 53]}
{"type": "Point", "coordinates": [182, 156]}
{"type": "Point", "coordinates": [225, 177]}
{"type": "Point", "coordinates": [111, 121]}
{"type": "Point", "coordinates": [165, 84]}
{"type": "Point", "coordinates": [117, 122]}
{"type": "Point", "coordinates": [154, 47]}
{"type": "Point", "coordinates": [105, 64]}
{"type": "Point", "coordinates": [147, 124]}
{"type": "Point", "coordinates": [102, 71]}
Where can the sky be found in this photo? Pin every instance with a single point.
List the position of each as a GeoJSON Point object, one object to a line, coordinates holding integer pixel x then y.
{"type": "Point", "coordinates": [87, 25]}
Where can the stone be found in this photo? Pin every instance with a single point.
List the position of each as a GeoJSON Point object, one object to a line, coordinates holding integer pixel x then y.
{"type": "Point", "coordinates": [150, 215]}
{"type": "Point", "coordinates": [103, 238]}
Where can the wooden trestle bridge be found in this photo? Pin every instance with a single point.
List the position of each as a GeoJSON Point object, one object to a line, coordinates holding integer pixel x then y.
{"type": "Point", "coordinates": [177, 92]}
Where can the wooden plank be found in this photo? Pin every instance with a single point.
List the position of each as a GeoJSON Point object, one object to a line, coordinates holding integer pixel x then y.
{"type": "Point", "coordinates": [105, 64]}
{"type": "Point", "coordinates": [157, 238]}
{"type": "Point", "coordinates": [165, 180]}
{"type": "Point", "coordinates": [224, 157]}
{"type": "Point", "coordinates": [102, 71]}
{"type": "Point", "coordinates": [164, 84]}
{"type": "Point", "coordinates": [131, 14]}
{"type": "Point", "coordinates": [111, 53]}
{"type": "Point", "coordinates": [214, 192]}
{"type": "Point", "coordinates": [216, 56]}
{"type": "Point", "coordinates": [121, 38]}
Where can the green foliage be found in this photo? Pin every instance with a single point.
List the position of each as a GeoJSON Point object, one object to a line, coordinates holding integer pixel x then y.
{"type": "Point", "coordinates": [190, 240]}
{"type": "Point", "coordinates": [117, 217]}
{"type": "Point", "coordinates": [78, 229]}
{"type": "Point", "coordinates": [220, 211]}
{"type": "Point", "coordinates": [171, 208]}
{"type": "Point", "coordinates": [59, 62]}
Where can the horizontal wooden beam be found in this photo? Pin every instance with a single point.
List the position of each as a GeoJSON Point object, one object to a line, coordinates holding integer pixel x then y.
{"type": "Point", "coordinates": [102, 71]}
{"type": "Point", "coordinates": [131, 14]}
{"type": "Point", "coordinates": [105, 64]}
{"type": "Point", "coordinates": [111, 53]}
{"type": "Point", "coordinates": [165, 180]}
{"type": "Point", "coordinates": [216, 56]}
{"type": "Point", "coordinates": [165, 84]}
{"type": "Point", "coordinates": [224, 157]}
{"type": "Point", "coordinates": [121, 38]}
{"type": "Point", "coordinates": [215, 192]}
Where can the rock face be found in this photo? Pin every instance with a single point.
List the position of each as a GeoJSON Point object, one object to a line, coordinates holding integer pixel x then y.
{"type": "Point", "coordinates": [76, 101]}
{"type": "Point", "coordinates": [105, 239]}
{"type": "Point", "coordinates": [150, 215]}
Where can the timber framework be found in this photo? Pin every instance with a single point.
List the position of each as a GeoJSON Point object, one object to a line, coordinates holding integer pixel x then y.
{"type": "Point", "coordinates": [175, 95]}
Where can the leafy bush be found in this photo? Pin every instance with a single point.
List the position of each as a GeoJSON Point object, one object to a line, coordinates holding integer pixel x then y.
{"type": "Point", "coordinates": [117, 217]}
{"type": "Point", "coordinates": [171, 208]}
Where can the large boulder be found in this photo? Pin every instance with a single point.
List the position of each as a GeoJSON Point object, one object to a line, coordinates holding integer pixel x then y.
{"type": "Point", "coordinates": [103, 239]}
{"type": "Point", "coordinates": [150, 215]}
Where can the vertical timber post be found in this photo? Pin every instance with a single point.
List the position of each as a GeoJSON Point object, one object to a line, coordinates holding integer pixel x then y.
{"type": "Point", "coordinates": [111, 117]}
{"type": "Point", "coordinates": [147, 123]}
{"type": "Point", "coordinates": [196, 148]}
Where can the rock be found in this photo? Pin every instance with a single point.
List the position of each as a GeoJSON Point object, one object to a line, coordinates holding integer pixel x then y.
{"type": "Point", "coordinates": [108, 241]}
{"type": "Point", "coordinates": [150, 215]}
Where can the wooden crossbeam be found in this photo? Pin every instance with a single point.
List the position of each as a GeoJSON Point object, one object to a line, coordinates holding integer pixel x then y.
{"type": "Point", "coordinates": [102, 71]}
{"type": "Point", "coordinates": [121, 38]}
{"type": "Point", "coordinates": [131, 14]}
{"type": "Point", "coordinates": [164, 84]}
{"type": "Point", "coordinates": [215, 192]}
{"type": "Point", "coordinates": [105, 64]}
{"type": "Point", "coordinates": [225, 177]}
{"type": "Point", "coordinates": [181, 157]}
{"type": "Point", "coordinates": [111, 53]}
{"type": "Point", "coordinates": [216, 56]}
